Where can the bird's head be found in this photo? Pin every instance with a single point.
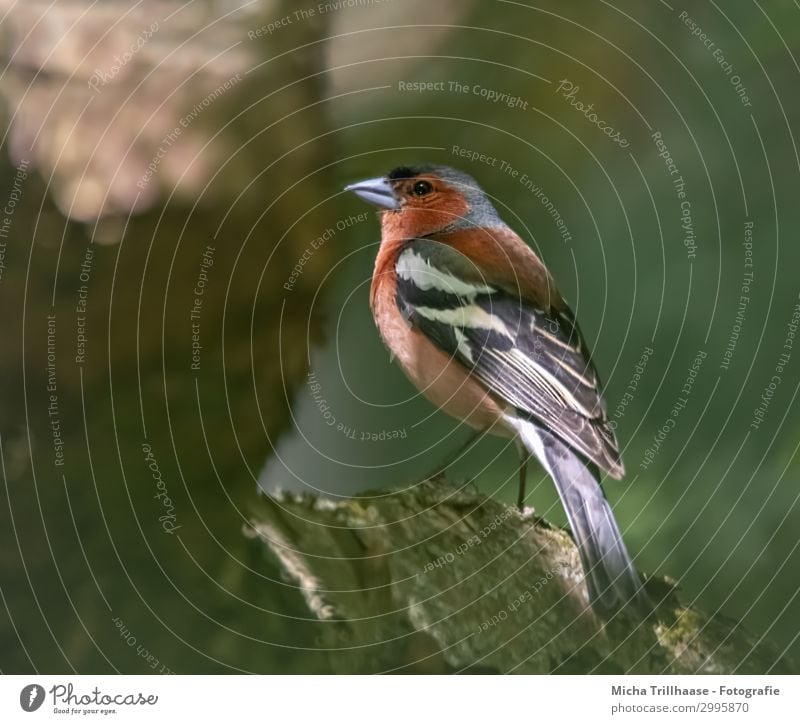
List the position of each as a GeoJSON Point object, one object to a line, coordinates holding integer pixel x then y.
{"type": "Point", "coordinates": [420, 201]}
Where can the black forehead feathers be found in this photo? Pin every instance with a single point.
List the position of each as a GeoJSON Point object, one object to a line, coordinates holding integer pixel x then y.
{"type": "Point", "coordinates": [446, 173]}
{"type": "Point", "coordinates": [402, 172]}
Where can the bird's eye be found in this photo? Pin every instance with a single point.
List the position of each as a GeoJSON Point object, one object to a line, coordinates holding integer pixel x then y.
{"type": "Point", "coordinates": [421, 188]}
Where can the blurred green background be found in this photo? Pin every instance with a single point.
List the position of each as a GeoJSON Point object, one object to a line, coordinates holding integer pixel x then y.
{"type": "Point", "coordinates": [321, 100]}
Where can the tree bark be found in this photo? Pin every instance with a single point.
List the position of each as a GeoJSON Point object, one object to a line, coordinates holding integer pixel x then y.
{"type": "Point", "coordinates": [438, 579]}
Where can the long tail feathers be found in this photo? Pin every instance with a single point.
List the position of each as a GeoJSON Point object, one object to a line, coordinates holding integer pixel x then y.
{"type": "Point", "coordinates": [611, 577]}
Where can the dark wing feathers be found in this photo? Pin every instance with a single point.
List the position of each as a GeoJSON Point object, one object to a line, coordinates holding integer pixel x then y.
{"type": "Point", "coordinates": [533, 359]}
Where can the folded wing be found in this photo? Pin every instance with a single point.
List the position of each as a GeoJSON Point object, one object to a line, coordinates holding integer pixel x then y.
{"type": "Point", "coordinates": [534, 359]}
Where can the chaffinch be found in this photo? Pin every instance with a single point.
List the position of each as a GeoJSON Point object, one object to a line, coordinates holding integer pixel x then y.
{"type": "Point", "coordinates": [475, 321]}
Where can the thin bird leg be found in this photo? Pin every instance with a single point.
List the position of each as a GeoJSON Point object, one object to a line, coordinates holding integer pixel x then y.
{"type": "Point", "coordinates": [440, 469]}
{"type": "Point", "coordinates": [523, 467]}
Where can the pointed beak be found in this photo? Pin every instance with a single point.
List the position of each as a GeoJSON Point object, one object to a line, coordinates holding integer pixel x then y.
{"type": "Point", "coordinates": [376, 191]}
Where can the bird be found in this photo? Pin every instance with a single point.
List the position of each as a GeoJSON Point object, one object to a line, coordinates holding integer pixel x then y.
{"type": "Point", "coordinates": [474, 319]}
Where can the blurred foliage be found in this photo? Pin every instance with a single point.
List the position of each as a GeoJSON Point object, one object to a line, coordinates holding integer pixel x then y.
{"type": "Point", "coordinates": [319, 105]}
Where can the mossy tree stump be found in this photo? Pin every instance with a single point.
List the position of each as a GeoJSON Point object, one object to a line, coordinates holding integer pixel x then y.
{"type": "Point", "coordinates": [440, 579]}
